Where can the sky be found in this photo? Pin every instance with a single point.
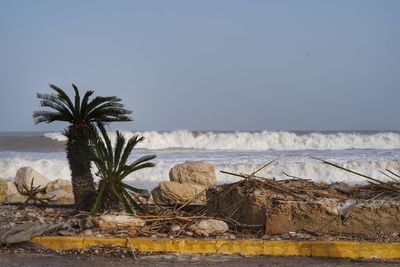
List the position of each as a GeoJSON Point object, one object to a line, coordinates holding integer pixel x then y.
{"type": "Point", "coordinates": [208, 65]}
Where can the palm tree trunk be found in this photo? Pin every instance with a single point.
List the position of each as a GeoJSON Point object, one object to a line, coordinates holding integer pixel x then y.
{"type": "Point", "coordinates": [110, 201]}
{"type": "Point", "coordinates": [82, 179]}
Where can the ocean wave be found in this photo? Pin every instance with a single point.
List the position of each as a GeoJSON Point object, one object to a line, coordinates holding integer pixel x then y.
{"type": "Point", "coordinates": [265, 140]}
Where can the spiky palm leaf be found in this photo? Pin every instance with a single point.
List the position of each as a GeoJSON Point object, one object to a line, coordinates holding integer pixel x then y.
{"type": "Point", "coordinates": [112, 168]}
{"type": "Point", "coordinates": [80, 112]}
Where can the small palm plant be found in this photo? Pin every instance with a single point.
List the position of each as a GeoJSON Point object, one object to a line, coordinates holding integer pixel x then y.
{"type": "Point", "coordinates": [113, 168]}
{"type": "Point", "coordinates": [82, 114]}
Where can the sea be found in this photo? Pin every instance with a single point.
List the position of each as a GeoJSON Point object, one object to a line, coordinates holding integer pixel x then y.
{"type": "Point", "coordinates": [294, 152]}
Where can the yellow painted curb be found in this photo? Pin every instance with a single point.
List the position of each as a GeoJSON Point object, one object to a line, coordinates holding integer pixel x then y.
{"type": "Point", "coordinates": [334, 249]}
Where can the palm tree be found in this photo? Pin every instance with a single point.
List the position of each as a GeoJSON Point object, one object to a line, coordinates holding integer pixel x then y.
{"type": "Point", "coordinates": [82, 116]}
{"type": "Point", "coordinates": [112, 168]}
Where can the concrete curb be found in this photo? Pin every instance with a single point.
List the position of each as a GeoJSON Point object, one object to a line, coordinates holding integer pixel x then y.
{"type": "Point", "coordinates": [334, 249]}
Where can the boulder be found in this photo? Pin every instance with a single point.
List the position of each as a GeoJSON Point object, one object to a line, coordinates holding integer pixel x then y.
{"type": "Point", "coordinates": [9, 193]}
{"type": "Point", "coordinates": [172, 193]}
{"type": "Point", "coordinates": [209, 227]}
{"type": "Point", "coordinates": [24, 177]}
{"type": "Point", "coordinates": [3, 190]}
{"type": "Point", "coordinates": [198, 172]}
{"type": "Point", "coordinates": [60, 197]}
{"type": "Point", "coordinates": [110, 221]}
{"type": "Point", "coordinates": [59, 184]}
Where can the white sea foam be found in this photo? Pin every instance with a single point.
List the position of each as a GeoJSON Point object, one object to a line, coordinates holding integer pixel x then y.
{"type": "Point", "coordinates": [54, 165]}
{"type": "Point", "coordinates": [51, 168]}
{"type": "Point", "coordinates": [265, 140]}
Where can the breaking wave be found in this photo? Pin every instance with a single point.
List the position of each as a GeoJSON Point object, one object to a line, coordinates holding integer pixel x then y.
{"type": "Point", "coordinates": [265, 140]}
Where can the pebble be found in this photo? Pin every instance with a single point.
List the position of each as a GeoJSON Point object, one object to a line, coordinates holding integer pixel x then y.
{"type": "Point", "coordinates": [189, 233]}
{"type": "Point", "coordinates": [175, 228]}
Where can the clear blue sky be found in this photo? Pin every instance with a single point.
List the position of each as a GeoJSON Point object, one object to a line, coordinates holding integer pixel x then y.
{"type": "Point", "coordinates": [222, 65]}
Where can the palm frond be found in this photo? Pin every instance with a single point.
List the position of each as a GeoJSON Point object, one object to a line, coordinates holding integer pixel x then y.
{"type": "Point", "coordinates": [98, 100]}
{"type": "Point", "coordinates": [62, 109]}
{"type": "Point", "coordinates": [131, 169]}
{"type": "Point", "coordinates": [48, 116]}
{"type": "Point", "coordinates": [84, 103]}
{"type": "Point", "coordinates": [134, 189]}
{"type": "Point", "coordinates": [109, 112]}
{"type": "Point", "coordinates": [63, 96]}
{"type": "Point", "coordinates": [55, 99]}
{"type": "Point", "coordinates": [132, 201]}
{"type": "Point", "coordinates": [122, 199]}
{"type": "Point", "coordinates": [128, 149]}
{"type": "Point", "coordinates": [77, 100]}
{"type": "Point", "coordinates": [99, 198]}
{"type": "Point", "coordinates": [119, 145]}
{"type": "Point", "coordinates": [107, 142]}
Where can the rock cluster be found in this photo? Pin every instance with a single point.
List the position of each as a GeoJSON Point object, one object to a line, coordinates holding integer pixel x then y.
{"type": "Point", "coordinates": [60, 191]}
{"type": "Point", "coordinates": [187, 184]}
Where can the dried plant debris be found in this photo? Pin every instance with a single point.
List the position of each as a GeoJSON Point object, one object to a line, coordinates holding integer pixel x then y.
{"type": "Point", "coordinates": [250, 207]}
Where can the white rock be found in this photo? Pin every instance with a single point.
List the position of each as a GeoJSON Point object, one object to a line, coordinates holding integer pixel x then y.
{"type": "Point", "coordinates": [175, 228]}
{"type": "Point", "coordinates": [60, 197]}
{"type": "Point", "coordinates": [59, 184]}
{"type": "Point", "coordinates": [118, 220]}
{"type": "Point", "coordinates": [209, 227]}
{"type": "Point", "coordinates": [189, 233]}
{"type": "Point", "coordinates": [24, 177]}
{"type": "Point", "coordinates": [198, 172]}
{"type": "Point", "coordinates": [9, 193]}
{"type": "Point", "coordinates": [172, 193]}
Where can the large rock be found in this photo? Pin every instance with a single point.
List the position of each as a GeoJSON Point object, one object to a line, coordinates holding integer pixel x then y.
{"type": "Point", "coordinates": [3, 190]}
{"type": "Point", "coordinates": [209, 227]}
{"type": "Point", "coordinates": [60, 192]}
{"type": "Point", "coordinates": [172, 193]}
{"type": "Point", "coordinates": [60, 197]}
{"type": "Point", "coordinates": [110, 221]}
{"type": "Point", "coordinates": [24, 177]}
{"type": "Point", "coordinates": [199, 172]}
{"type": "Point", "coordinates": [59, 184]}
{"type": "Point", "coordinates": [9, 193]}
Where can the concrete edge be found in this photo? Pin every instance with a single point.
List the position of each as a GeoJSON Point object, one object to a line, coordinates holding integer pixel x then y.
{"type": "Point", "coordinates": [333, 249]}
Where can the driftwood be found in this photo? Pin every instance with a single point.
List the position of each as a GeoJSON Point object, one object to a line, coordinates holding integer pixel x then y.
{"type": "Point", "coordinates": [32, 193]}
